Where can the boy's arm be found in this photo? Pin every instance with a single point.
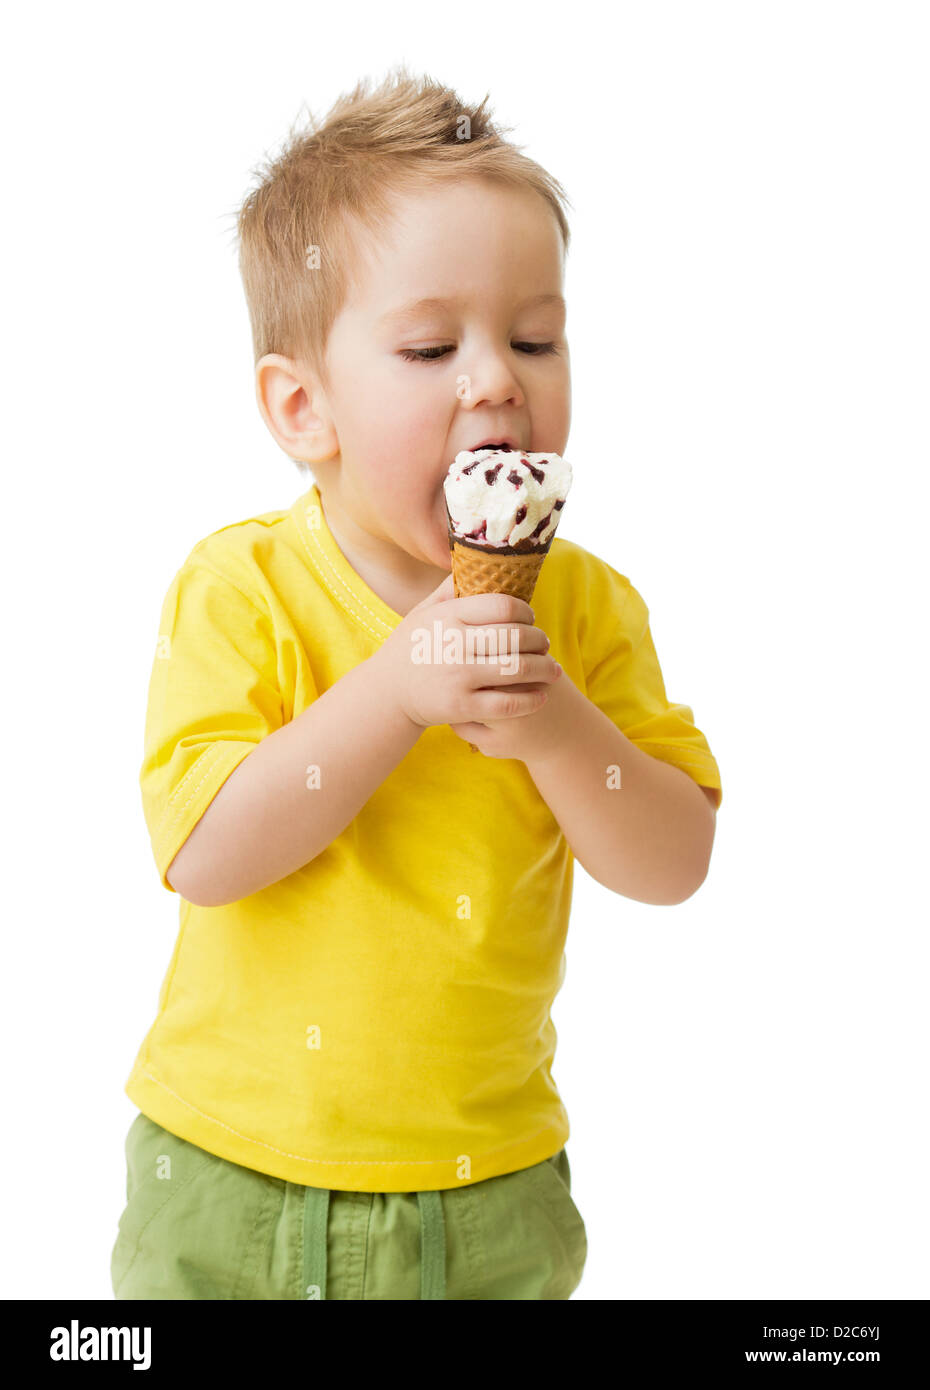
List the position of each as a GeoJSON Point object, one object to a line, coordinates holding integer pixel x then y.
{"type": "Point", "coordinates": [266, 822]}
{"type": "Point", "coordinates": [650, 838]}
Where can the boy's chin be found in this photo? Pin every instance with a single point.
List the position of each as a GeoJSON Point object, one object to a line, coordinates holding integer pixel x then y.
{"type": "Point", "coordinates": [431, 548]}
{"type": "Point", "coordinates": [440, 555]}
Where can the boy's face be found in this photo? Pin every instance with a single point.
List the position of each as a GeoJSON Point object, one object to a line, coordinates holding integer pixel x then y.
{"type": "Point", "coordinates": [501, 367]}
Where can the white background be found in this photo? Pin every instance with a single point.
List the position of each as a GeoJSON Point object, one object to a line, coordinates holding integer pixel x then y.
{"type": "Point", "coordinates": [746, 1073]}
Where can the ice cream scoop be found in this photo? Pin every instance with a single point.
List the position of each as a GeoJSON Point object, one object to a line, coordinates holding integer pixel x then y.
{"type": "Point", "coordinates": [505, 499]}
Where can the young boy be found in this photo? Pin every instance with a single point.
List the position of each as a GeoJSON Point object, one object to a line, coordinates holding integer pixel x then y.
{"type": "Point", "coordinates": [347, 1090]}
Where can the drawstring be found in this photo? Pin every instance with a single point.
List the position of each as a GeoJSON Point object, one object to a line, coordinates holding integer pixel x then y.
{"type": "Point", "coordinates": [316, 1219]}
{"type": "Point", "coordinates": [432, 1246]}
{"type": "Point", "coordinates": [432, 1243]}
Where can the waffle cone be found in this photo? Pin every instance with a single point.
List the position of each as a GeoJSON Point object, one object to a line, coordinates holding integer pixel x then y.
{"type": "Point", "coordinates": [477, 571]}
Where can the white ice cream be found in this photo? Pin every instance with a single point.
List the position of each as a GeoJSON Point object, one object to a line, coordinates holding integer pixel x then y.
{"type": "Point", "coordinates": [499, 497]}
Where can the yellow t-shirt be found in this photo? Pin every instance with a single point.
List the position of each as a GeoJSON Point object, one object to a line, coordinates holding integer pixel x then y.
{"type": "Point", "coordinates": [379, 1020]}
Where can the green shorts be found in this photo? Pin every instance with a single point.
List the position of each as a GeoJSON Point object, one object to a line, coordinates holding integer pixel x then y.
{"type": "Point", "coordinates": [202, 1227]}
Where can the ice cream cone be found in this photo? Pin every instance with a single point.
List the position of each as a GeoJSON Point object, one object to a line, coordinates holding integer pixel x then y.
{"type": "Point", "coordinates": [503, 508]}
{"type": "Point", "coordinates": [476, 570]}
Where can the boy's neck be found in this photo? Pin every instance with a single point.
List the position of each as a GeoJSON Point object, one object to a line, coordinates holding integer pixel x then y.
{"type": "Point", "coordinates": [401, 589]}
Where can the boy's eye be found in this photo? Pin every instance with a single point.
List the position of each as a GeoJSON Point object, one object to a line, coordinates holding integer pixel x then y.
{"type": "Point", "coordinates": [434, 354]}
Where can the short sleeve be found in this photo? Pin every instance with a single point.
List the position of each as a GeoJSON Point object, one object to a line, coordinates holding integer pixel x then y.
{"type": "Point", "coordinates": [213, 696]}
{"type": "Point", "coordinates": [627, 684]}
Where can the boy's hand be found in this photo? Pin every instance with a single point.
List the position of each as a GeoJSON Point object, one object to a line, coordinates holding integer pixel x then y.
{"type": "Point", "coordinates": [437, 660]}
{"type": "Point", "coordinates": [535, 738]}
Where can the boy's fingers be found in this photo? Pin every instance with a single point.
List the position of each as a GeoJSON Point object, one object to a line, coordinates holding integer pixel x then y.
{"type": "Point", "coordinates": [492, 643]}
{"type": "Point", "coordinates": [486, 609]}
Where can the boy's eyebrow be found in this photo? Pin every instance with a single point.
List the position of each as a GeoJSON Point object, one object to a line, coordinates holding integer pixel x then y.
{"type": "Point", "coordinates": [413, 307]}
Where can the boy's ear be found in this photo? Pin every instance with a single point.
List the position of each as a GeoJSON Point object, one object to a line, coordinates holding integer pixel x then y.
{"type": "Point", "coordinates": [293, 406]}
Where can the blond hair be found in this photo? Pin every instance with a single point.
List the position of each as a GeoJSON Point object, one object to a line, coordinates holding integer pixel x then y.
{"type": "Point", "coordinates": [408, 133]}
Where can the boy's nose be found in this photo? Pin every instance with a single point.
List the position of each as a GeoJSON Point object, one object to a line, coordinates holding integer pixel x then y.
{"type": "Point", "coordinates": [495, 389]}
{"type": "Point", "coordinates": [490, 380]}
